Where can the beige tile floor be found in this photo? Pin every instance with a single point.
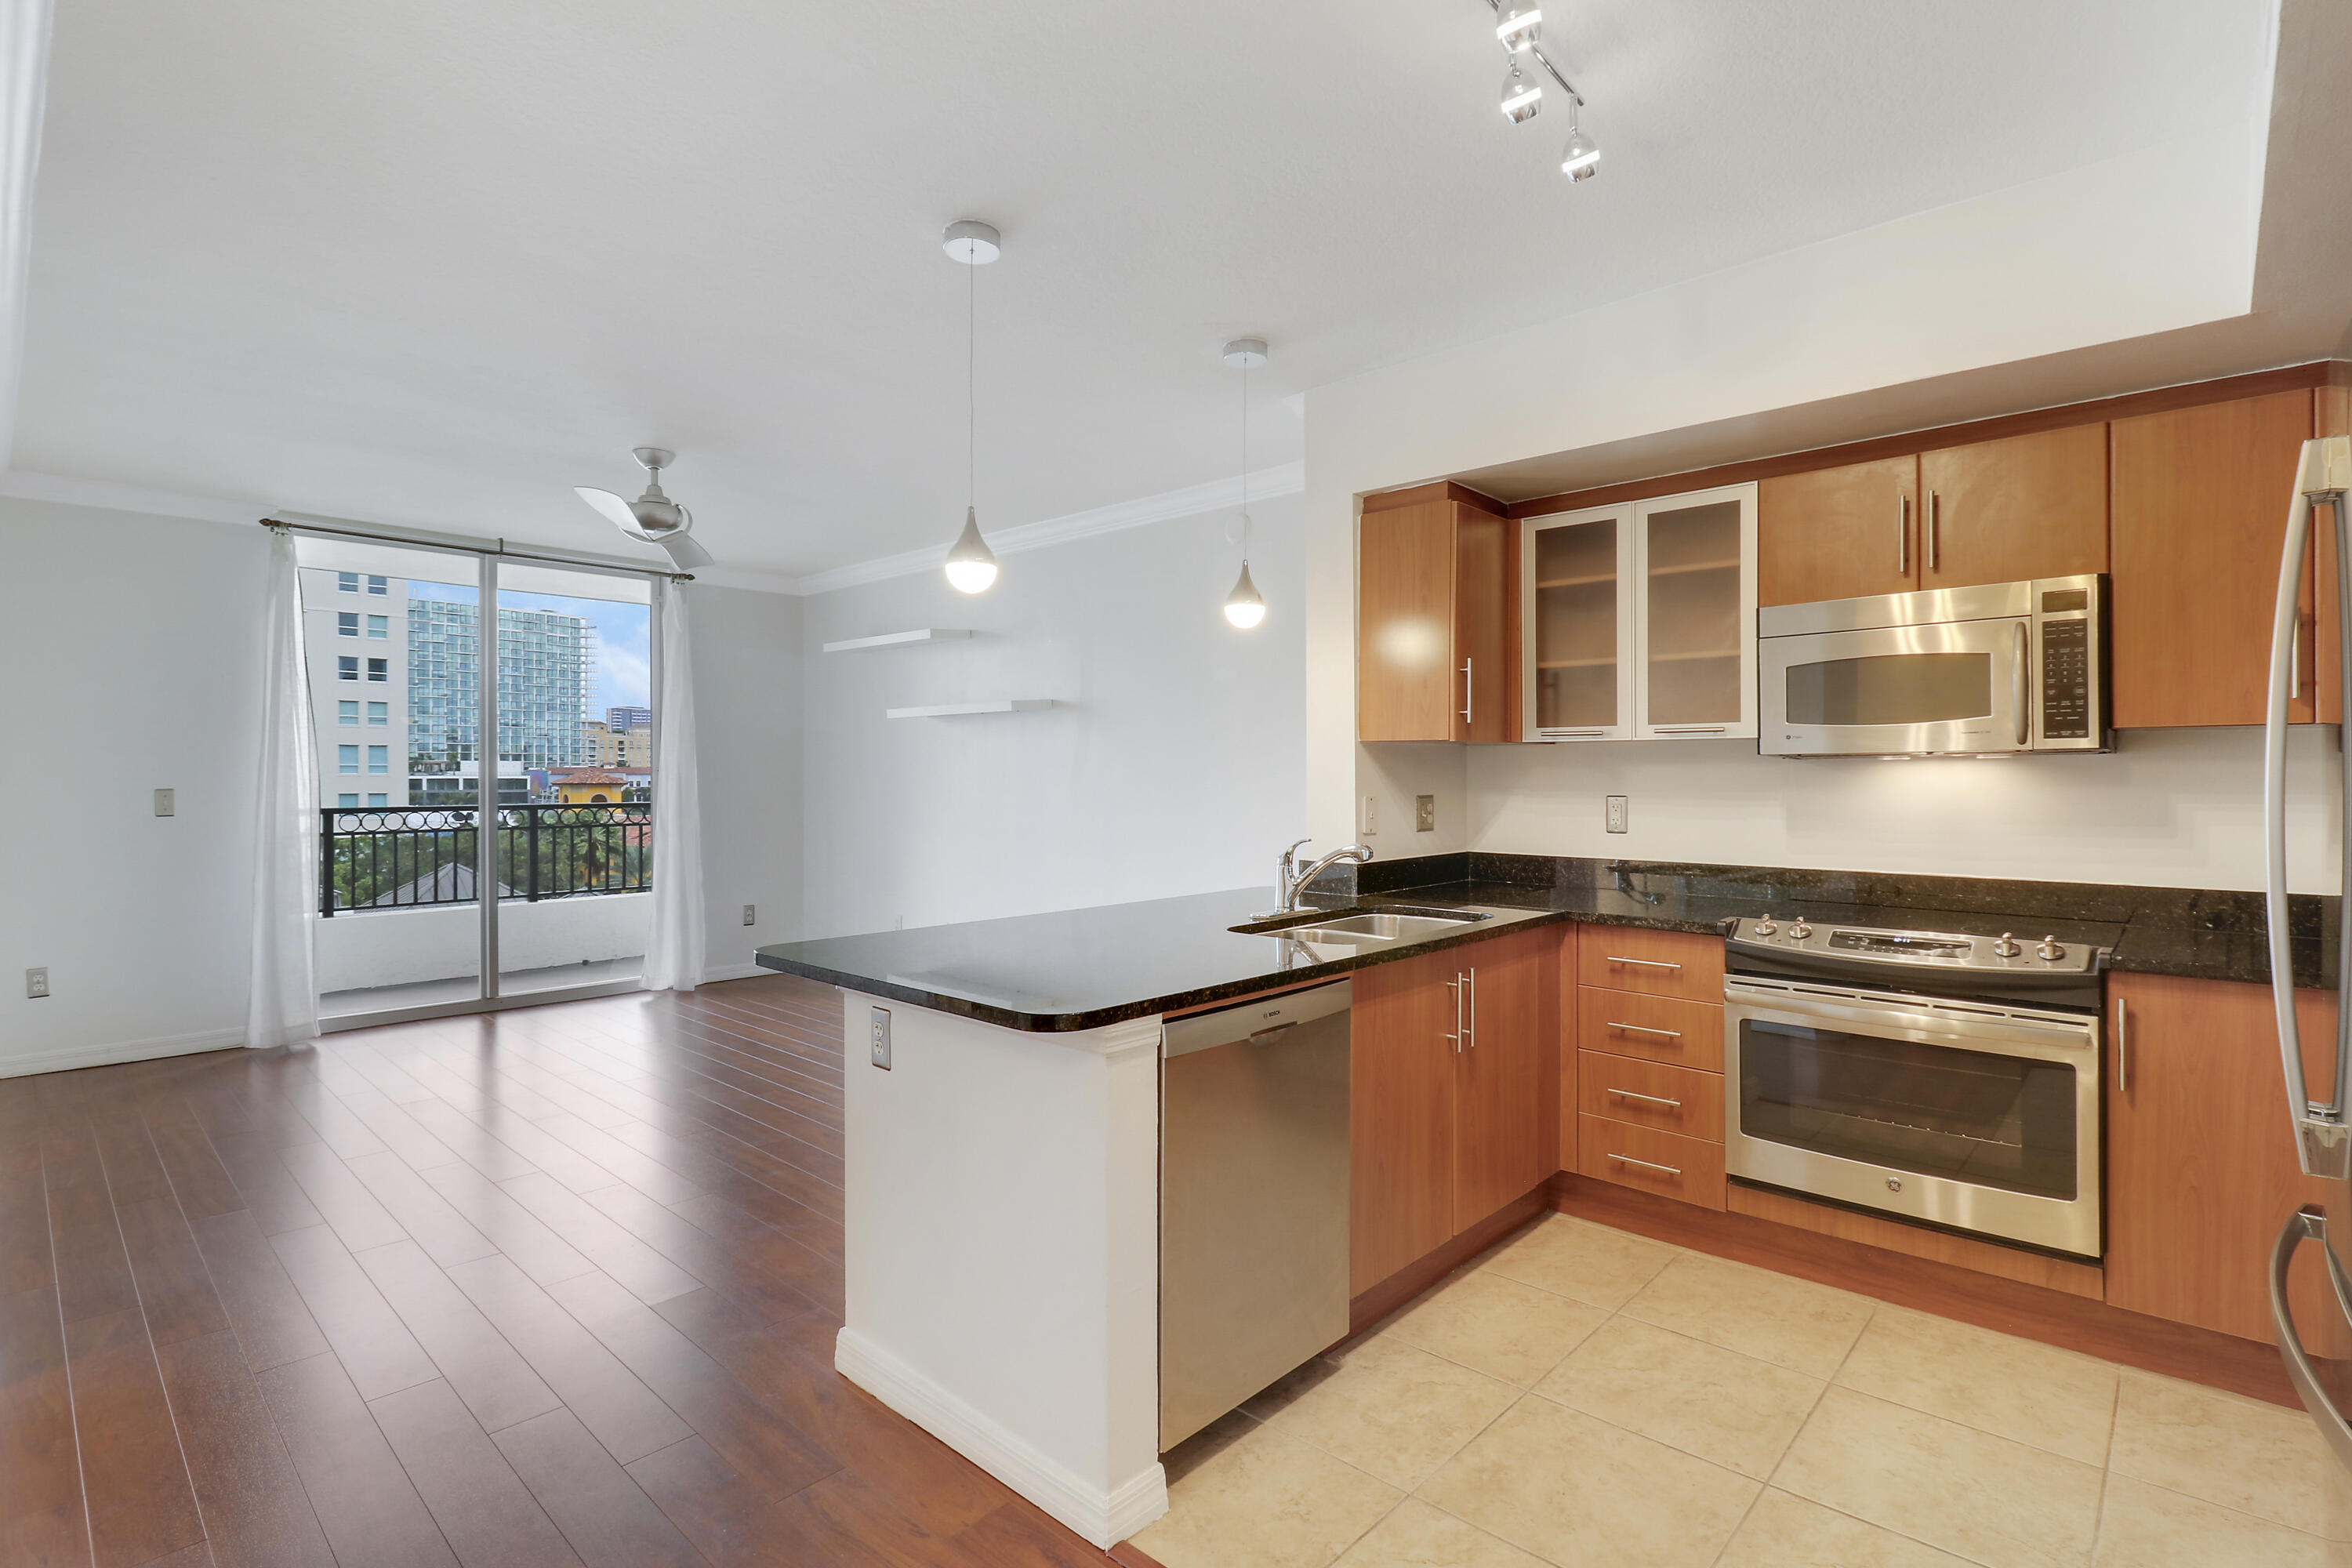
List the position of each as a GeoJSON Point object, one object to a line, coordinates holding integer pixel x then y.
{"type": "Point", "coordinates": [1591, 1399]}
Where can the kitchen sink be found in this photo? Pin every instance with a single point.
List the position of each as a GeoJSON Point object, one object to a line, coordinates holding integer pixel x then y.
{"type": "Point", "coordinates": [1369, 927]}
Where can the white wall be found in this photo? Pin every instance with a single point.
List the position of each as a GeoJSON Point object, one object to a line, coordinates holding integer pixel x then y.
{"type": "Point", "coordinates": [2056, 265]}
{"type": "Point", "coordinates": [1172, 765]}
{"type": "Point", "coordinates": [134, 643]}
{"type": "Point", "coordinates": [746, 709]}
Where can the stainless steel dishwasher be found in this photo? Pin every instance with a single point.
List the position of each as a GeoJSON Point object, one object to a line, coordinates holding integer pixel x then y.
{"type": "Point", "coordinates": [1252, 1199]}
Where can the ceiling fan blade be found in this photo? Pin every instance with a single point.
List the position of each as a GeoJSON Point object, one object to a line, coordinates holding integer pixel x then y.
{"type": "Point", "coordinates": [688, 555]}
{"type": "Point", "coordinates": [614, 510]}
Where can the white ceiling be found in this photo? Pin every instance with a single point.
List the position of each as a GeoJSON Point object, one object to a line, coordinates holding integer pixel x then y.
{"type": "Point", "coordinates": [437, 263]}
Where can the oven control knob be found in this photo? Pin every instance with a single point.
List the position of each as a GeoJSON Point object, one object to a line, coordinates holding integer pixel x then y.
{"type": "Point", "coordinates": [2047, 950]}
{"type": "Point", "coordinates": [1801, 931]}
{"type": "Point", "coordinates": [1764, 926]}
{"type": "Point", "coordinates": [2006, 948]}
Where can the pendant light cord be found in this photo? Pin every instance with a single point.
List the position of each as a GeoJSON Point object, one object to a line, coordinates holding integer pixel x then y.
{"type": "Point", "coordinates": [1245, 516]}
{"type": "Point", "coordinates": [972, 386]}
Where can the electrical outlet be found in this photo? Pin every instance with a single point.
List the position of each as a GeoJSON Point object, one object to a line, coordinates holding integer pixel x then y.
{"type": "Point", "coordinates": [751, 914]}
{"type": "Point", "coordinates": [36, 981]}
{"type": "Point", "coordinates": [164, 806]}
{"type": "Point", "coordinates": [1617, 813]}
{"type": "Point", "coordinates": [877, 1038]}
{"type": "Point", "coordinates": [1424, 813]}
{"type": "Point", "coordinates": [1371, 815]}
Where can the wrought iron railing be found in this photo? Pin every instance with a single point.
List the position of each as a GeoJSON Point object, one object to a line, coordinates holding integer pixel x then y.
{"type": "Point", "coordinates": [416, 857]}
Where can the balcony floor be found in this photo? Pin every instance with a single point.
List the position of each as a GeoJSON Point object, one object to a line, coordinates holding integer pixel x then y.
{"type": "Point", "coordinates": [541, 1286]}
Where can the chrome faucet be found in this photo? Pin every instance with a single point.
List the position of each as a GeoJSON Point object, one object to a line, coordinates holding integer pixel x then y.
{"type": "Point", "coordinates": [1289, 880]}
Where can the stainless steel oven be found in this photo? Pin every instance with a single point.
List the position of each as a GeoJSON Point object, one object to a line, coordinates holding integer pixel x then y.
{"type": "Point", "coordinates": [1973, 1112]}
{"type": "Point", "coordinates": [1980, 671]}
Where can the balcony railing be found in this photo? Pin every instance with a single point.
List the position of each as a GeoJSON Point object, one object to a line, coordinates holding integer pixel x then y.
{"type": "Point", "coordinates": [385, 858]}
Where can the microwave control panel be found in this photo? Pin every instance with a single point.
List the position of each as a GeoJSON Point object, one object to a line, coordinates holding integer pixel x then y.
{"type": "Point", "coordinates": [2067, 680]}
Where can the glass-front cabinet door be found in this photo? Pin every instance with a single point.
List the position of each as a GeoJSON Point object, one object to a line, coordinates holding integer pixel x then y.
{"type": "Point", "coordinates": [1695, 557]}
{"type": "Point", "coordinates": [1577, 626]}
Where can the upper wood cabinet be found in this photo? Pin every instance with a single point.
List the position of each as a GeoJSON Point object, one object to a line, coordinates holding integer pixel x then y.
{"type": "Point", "coordinates": [2000, 511]}
{"type": "Point", "coordinates": [1638, 622]}
{"type": "Point", "coordinates": [1993, 511]}
{"type": "Point", "coordinates": [1431, 644]}
{"type": "Point", "coordinates": [1838, 533]}
{"type": "Point", "coordinates": [2201, 1169]}
{"type": "Point", "coordinates": [1453, 1097]}
{"type": "Point", "coordinates": [2201, 505]}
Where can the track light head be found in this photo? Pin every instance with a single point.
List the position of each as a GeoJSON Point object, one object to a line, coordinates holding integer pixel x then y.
{"type": "Point", "coordinates": [1580, 159]}
{"type": "Point", "coordinates": [1522, 95]}
{"type": "Point", "coordinates": [1521, 25]}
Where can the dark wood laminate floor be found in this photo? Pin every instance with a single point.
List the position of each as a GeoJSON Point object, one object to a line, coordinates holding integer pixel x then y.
{"type": "Point", "coordinates": [550, 1286]}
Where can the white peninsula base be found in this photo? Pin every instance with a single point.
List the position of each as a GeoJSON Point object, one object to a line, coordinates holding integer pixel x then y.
{"type": "Point", "coordinates": [1001, 1222]}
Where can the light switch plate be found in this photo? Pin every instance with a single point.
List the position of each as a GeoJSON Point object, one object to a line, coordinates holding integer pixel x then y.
{"type": "Point", "coordinates": [751, 914]}
{"type": "Point", "coordinates": [165, 804]}
{"type": "Point", "coordinates": [1617, 813]}
{"type": "Point", "coordinates": [1424, 813]}
{"type": "Point", "coordinates": [877, 1036]}
{"type": "Point", "coordinates": [1371, 815]}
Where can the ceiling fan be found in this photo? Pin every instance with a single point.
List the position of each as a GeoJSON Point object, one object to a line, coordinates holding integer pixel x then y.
{"type": "Point", "coordinates": [652, 516]}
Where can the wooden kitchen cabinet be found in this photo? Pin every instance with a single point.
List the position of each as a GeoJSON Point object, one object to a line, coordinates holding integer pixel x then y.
{"type": "Point", "coordinates": [1450, 1115]}
{"type": "Point", "coordinates": [1991, 512]}
{"type": "Point", "coordinates": [2201, 505]}
{"type": "Point", "coordinates": [2201, 1169]}
{"type": "Point", "coordinates": [2026, 506]}
{"type": "Point", "coordinates": [1838, 533]}
{"type": "Point", "coordinates": [1649, 1070]}
{"type": "Point", "coordinates": [1431, 642]}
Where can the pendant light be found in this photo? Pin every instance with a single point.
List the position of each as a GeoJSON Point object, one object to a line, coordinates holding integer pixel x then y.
{"type": "Point", "coordinates": [971, 565]}
{"type": "Point", "coordinates": [1245, 607]}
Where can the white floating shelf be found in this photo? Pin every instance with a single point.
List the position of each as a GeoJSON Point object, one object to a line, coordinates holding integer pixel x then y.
{"type": "Point", "coordinates": [952, 710]}
{"type": "Point", "coordinates": [892, 639]}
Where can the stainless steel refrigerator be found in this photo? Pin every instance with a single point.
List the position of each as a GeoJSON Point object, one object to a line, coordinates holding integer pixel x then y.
{"type": "Point", "coordinates": [2322, 1131]}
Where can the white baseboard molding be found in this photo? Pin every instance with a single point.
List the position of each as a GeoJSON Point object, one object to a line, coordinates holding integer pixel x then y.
{"type": "Point", "coordinates": [68, 1058]}
{"type": "Point", "coordinates": [1104, 1518]}
{"type": "Point", "coordinates": [718, 972]}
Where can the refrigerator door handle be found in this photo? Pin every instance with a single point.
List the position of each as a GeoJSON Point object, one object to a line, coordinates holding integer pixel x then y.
{"type": "Point", "coordinates": [2309, 1225]}
{"type": "Point", "coordinates": [2323, 1138]}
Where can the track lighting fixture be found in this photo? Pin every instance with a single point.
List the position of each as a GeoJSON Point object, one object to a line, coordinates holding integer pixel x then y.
{"type": "Point", "coordinates": [1519, 28]}
{"type": "Point", "coordinates": [1521, 96]}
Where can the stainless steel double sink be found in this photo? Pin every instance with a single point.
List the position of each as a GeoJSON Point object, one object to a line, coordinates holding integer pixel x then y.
{"type": "Point", "coordinates": [1368, 928]}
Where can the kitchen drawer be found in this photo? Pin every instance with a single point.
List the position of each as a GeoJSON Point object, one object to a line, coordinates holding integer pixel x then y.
{"type": "Point", "coordinates": [1670, 1165]}
{"type": "Point", "coordinates": [1626, 1088]}
{"type": "Point", "coordinates": [1661, 963]}
{"type": "Point", "coordinates": [1656, 1028]}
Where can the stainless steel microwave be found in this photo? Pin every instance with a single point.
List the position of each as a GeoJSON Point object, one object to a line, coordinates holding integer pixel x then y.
{"type": "Point", "coordinates": [1982, 671]}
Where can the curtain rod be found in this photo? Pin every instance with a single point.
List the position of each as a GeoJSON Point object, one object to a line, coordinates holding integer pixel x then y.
{"type": "Point", "coordinates": [302, 523]}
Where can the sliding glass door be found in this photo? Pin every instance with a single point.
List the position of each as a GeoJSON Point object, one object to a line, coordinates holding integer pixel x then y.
{"type": "Point", "coordinates": [484, 815]}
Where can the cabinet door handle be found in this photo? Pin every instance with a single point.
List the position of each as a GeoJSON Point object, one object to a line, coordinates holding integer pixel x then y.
{"type": "Point", "coordinates": [1470, 979]}
{"type": "Point", "coordinates": [2123, 1045]}
{"type": "Point", "coordinates": [1628, 1159]}
{"type": "Point", "coordinates": [1690, 728]}
{"type": "Point", "coordinates": [1935, 532]}
{"type": "Point", "coordinates": [1645, 962]}
{"type": "Point", "coordinates": [1454, 985]}
{"type": "Point", "coordinates": [1645, 1099]}
{"type": "Point", "coordinates": [1903, 536]}
{"type": "Point", "coordinates": [1645, 1029]}
{"type": "Point", "coordinates": [1469, 702]}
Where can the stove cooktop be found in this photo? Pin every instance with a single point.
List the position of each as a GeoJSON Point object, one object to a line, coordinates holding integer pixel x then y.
{"type": "Point", "coordinates": [2023, 965]}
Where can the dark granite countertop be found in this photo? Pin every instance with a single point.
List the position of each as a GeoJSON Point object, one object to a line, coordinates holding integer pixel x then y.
{"type": "Point", "coordinates": [1083, 969]}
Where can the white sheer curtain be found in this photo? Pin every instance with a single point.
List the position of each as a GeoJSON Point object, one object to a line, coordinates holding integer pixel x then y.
{"type": "Point", "coordinates": [675, 945]}
{"type": "Point", "coordinates": [282, 1006]}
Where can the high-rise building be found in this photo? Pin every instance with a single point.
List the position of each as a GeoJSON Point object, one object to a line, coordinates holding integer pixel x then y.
{"type": "Point", "coordinates": [611, 748]}
{"type": "Point", "coordinates": [619, 719]}
{"type": "Point", "coordinates": [356, 641]}
{"type": "Point", "coordinates": [543, 681]}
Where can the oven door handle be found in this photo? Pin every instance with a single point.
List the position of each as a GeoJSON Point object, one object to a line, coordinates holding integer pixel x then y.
{"type": "Point", "coordinates": [2010, 1036]}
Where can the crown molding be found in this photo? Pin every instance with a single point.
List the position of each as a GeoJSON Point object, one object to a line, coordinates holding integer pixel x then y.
{"type": "Point", "coordinates": [69, 490]}
{"type": "Point", "coordinates": [1265, 484]}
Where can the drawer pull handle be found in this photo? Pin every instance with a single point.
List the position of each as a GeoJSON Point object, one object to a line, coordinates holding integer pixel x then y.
{"type": "Point", "coordinates": [1645, 1029]}
{"type": "Point", "coordinates": [1645, 962]}
{"type": "Point", "coordinates": [1645, 1099]}
{"type": "Point", "coordinates": [1628, 1159]}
